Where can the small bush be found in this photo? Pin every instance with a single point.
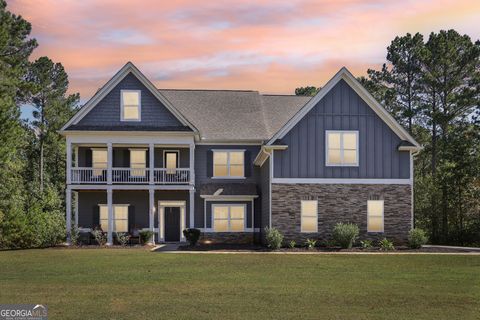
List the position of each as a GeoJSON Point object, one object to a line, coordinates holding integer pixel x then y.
{"type": "Point", "coordinates": [345, 234]}
{"type": "Point", "coordinates": [366, 244]}
{"type": "Point", "coordinates": [100, 237]}
{"type": "Point", "coordinates": [292, 244]}
{"type": "Point", "coordinates": [417, 238]}
{"type": "Point", "coordinates": [274, 238]}
{"type": "Point", "coordinates": [386, 245]}
{"type": "Point", "coordinates": [310, 244]}
{"type": "Point", "coordinates": [122, 238]}
{"type": "Point", "coordinates": [192, 235]}
{"type": "Point", "coordinates": [146, 236]}
{"type": "Point", "coordinates": [74, 235]}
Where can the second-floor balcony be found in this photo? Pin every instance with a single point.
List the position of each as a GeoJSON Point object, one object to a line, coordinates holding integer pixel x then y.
{"type": "Point", "coordinates": [131, 175]}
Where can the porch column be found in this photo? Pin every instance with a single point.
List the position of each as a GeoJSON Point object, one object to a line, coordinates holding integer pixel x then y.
{"type": "Point", "coordinates": [110, 217]}
{"type": "Point", "coordinates": [192, 164]}
{"type": "Point", "coordinates": [109, 163]}
{"type": "Point", "coordinates": [151, 159]}
{"type": "Point", "coordinates": [192, 208]}
{"type": "Point", "coordinates": [76, 209]}
{"type": "Point", "coordinates": [68, 207]}
{"type": "Point", "coordinates": [151, 198]}
{"type": "Point", "coordinates": [76, 156]}
{"type": "Point", "coordinates": [69, 161]}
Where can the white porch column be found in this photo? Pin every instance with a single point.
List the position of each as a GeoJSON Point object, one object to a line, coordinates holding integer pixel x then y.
{"type": "Point", "coordinates": [69, 161]}
{"type": "Point", "coordinates": [192, 208]}
{"type": "Point", "coordinates": [151, 159]}
{"type": "Point", "coordinates": [68, 207]}
{"type": "Point", "coordinates": [151, 200]}
{"type": "Point", "coordinates": [76, 156]}
{"type": "Point", "coordinates": [109, 162]}
{"type": "Point", "coordinates": [110, 216]}
{"type": "Point", "coordinates": [76, 209]}
{"type": "Point", "coordinates": [192, 164]}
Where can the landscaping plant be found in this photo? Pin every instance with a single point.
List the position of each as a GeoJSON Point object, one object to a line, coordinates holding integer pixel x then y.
{"type": "Point", "coordinates": [366, 244]}
{"type": "Point", "coordinates": [146, 236]}
{"type": "Point", "coordinates": [417, 238]}
{"type": "Point", "coordinates": [100, 237]}
{"type": "Point", "coordinates": [292, 244]}
{"type": "Point", "coordinates": [74, 235]}
{"type": "Point", "coordinates": [122, 238]}
{"type": "Point", "coordinates": [345, 234]}
{"type": "Point", "coordinates": [310, 243]}
{"type": "Point", "coordinates": [386, 245]}
{"type": "Point", "coordinates": [274, 238]}
{"type": "Point", "coordinates": [192, 235]}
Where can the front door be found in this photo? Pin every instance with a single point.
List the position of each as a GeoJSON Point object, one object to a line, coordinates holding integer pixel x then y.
{"type": "Point", "coordinates": [172, 224]}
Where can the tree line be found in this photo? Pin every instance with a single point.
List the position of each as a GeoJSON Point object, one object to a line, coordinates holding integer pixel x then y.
{"type": "Point", "coordinates": [432, 87]}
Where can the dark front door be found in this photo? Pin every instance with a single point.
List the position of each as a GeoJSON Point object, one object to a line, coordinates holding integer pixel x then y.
{"type": "Point", "coordinates": [172, 224]}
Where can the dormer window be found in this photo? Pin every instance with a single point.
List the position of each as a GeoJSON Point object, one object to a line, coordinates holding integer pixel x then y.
{"type": "Point", "coordinates": [130, 104]}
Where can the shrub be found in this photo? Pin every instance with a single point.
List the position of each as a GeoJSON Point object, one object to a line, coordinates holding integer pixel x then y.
{"type": "Point", "coordinates": [366, 244]}
{"type": "Point", "coordinates": [417, 238]}
{"type": "Point", "coordinates": [292, 244]}
{"type": "Point", "coordinates": [274, 238]}
{"type": "Point", "coordinates": [386, 245]}
{"type": "Point", "coordinates": [192, 235]}
{"type": "Point", "coordinates": [122, 238]}
{"type": "Point", "coordinates": [100, 237]}
{"type": "Point", "coordinates": [74, 235]}
{"type": "Point", "coordinates": [345, 234]}
{"type": "Point", "coordinates": [310, 243]}
{"type": "Point", "coordinates": [146, 236]}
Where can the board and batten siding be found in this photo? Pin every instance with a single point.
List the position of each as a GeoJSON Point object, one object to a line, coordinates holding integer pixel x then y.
{"type": "Point", "coordinates": [341, 109]}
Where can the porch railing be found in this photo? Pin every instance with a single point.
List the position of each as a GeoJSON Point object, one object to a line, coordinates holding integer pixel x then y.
{"type": "Point", "coordinates": [89, 175]}
{"type": "Point", "coordinates": [171, 176]}
{"type": "Point", "coordinates": [131, 175]}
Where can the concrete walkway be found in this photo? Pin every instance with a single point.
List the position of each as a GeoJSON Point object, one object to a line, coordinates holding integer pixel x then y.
{"type": "Point", "coordinates": [453, 247]}
{"type": "Point", "coordinates": [167, 247]}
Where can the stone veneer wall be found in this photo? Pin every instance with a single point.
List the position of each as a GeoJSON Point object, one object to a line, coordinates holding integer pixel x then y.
{"type": "Point", "coordinates": [342, 203]}
{"type": "Point", "coordinates": [228, 237]}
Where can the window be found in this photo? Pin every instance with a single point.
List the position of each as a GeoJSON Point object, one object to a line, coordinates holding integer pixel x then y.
{"type": "Point", "coordinates": [120, 217]}
{"type": "Point", "coordinates": [342, 148]}
{"type": "Point", "coordinates": [99, 161]}
{"type": "Point", "coordinates": [171, 161]}
{"type": "Point", "coordinates": [229, 164]}
{"type": "Point", "coordinates": [375, 215]}
{"type": "Point", "coordinates": [228, 218]}
{"type": "Point", "coordinates": [309, 221]}
{"type": "Point", "coordinates": [138, 162]}
{"type": "Point", "coordinates": [131, 109]}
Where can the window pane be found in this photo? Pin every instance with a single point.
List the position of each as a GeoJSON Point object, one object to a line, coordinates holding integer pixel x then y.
{"type": "Point", "coordinates": [171, 160]}
{"type": "Point", "coordinates": [138, 156]}
{"type": "Point", "coordinates": [236, 171]}
{"type": "Point", "coordinates": [350, 141]}
{"type": "Point", "coordinates": [103, 213]}
{"type": "Point", "coordinates": [334, 157]}
{"type": "Point", "coordinates": [309, 224]}
{"type": "Point", "coordinates": [237, 225]}
{"type": "Point", "coordinates": [236, 158]}
{"type": "Point", "coordinates": [220, 171]}
{"type": "Point", "coordinates": [237, 212]}
{"type": "Point", "coordinates": [121, 226]}
{"type": "Point", "coordinates": [349, 157]}
{"type": "Point", "coordinates": [99, 158]}
{"type": "Point", "coordinates": [375, 207]}
{"type": "Point", "coordinates": [220, 158]}
{"type": "Point", "coordinates": [220, 225]}
{"type": "Point", "coordinates": [334, 140]}
{"type": "Point", "coordinates": [130, 98]}
{"type": "Point", "coordinates": [309, 208]}
{"type": "Point", "coordinates": [130, 113]}
{"type": "Point", "coordinates": [120, 212]}
{"type": "Point", "coordinates": [220, 212]}
{"type": "Point", "coordinates": [375, 224]}
{"type": "Point", "coordinates": [375, 215]}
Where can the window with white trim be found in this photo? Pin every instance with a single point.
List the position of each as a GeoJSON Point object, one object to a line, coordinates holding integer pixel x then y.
{"type": "Point", "coordinates": [120, 217]}
{"type": "Point", "coordinates": [99, 161]}
{"type": "Point", "coordinates": [171, 161]}
{"type": "Point", "coordinates": [138, 162]}
{"type": "Point", "coordinates": [130, 104]}
{"type": "Point", "coordinates": [342, 148]}
{"type": "Point", "coordinates": [228, 218]}
{"type": "Point", "coordinates": [309, 215]}
{"type": "Point", "coordinates": [375, 215]}
{"type": "Point", "coordinates": [228, 164]}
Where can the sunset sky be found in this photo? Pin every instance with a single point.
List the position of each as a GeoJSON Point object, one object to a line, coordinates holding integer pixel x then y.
{"type": "Point", "coordinates": [266, 45]}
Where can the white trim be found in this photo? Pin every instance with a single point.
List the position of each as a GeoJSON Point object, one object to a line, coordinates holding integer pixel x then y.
{"type": "Point", "coordinates": [243, 205]}
{"type": "Point", "coordinates": [228, 152]}
{"type": "Point", "coordinates": [122, 112]}
{"type": "Point", "coordinates": [383, 217]}
{"type": "Point", "coordinates": [68, 213]}
{"type": "Point", "coordinates": [231, 143]}
{"type": "Point", "coordinates": [161, 218]}
{"type": "Point", "coordinates": [344, 74]}
{"type": "Point", "coordinates": [191, 209]}
{"type": "Point", "coordinates": [270, 181]}
{"type": "Point", "coordinates": [129, 138]}
{"type": "Point", "coordinates": [129, 67]}
{"type": "Point", "coordinates": [301, 216]}
{"type": "Point", "coordinates": [265, 152]}
{"type": "Point", "coordinates": [229, 198]}
{"type": "Point", "coordinates": [339, 181]}
{"type": "Point", "coordinates": [342, 151]}
{"type": "Point", "coordinates": [129, 187]}
{"type": "Point", "coordinates": [151, 213]}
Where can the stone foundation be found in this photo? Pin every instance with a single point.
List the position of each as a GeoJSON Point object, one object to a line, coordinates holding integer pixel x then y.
{"type": "Point", "coordinates": [342, 203]}
{"type": "Point", "coordinates": [227, 237]}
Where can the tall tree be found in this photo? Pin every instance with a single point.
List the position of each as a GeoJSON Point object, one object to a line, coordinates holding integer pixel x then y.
{"type": "Point", "coordinates": [307, 91]}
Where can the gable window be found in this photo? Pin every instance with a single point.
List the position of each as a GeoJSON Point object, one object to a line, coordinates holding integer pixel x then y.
{"type": "Point", "coordinates": [228, 218]}
{"type": "Point", "coordinates": [309, 219]}
{"type": "Point", "coordinates": [138, 162]}
{"type": "Point", "coordinates": [228, 164]}
{"type": "Point", "coordinates": [375, 216]}
{"type": "Point", "coordinates": [342, 148]}
{"type": "Point", "coordinates": [120, 217]}
{"type": "Point", "coordinates": [170, 159]}
{"type": "Point", "coordinates": [130, 103]}
{"type": "Point", "coordinates": [99, 161]}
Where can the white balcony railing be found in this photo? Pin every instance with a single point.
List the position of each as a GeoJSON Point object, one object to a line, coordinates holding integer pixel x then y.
{"type": "Point", "coordinates": [131, 175]}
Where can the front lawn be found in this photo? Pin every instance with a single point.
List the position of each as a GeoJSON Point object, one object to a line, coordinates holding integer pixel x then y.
{"type": "Point", "coordinates": [133, 284]}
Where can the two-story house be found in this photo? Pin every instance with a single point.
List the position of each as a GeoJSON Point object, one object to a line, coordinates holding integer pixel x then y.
{"type": "Point", "coordinates": [232, 162]}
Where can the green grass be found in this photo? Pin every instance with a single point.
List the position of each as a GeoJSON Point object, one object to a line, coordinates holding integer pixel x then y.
{"type": "Point", "coordinates": [133, 284]}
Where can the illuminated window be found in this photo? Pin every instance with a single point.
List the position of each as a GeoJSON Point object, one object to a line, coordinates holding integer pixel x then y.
{"type": "Point", "coordinates": [228, 164]}
{"type": "Point", "coordinates": [309, 211]}
{"type": "Point", "coordinates": [228, 218]}
{"type": "Point", "coordinates": [375, 215]}
{"type": "Point", "coordinates": [138, 162]}
{"type": "Point", "coordinates": [342, 148]}
{"type": "Point", "coordinates": [99, 161]}
{"type": "Point", "coordinates": [131, 108]}
{"type": "Point", "coordinates": [171, 161]}
{"type": "Point", "coordinates": [120, 217]}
